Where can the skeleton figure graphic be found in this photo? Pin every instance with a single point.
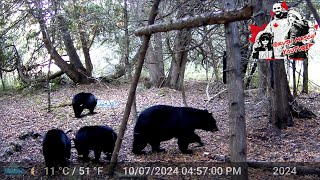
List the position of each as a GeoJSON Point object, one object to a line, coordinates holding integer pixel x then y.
{"type": "Point", "coordinates": [278, 28]}
{"type": "Point", "coordinates": [280, 13]}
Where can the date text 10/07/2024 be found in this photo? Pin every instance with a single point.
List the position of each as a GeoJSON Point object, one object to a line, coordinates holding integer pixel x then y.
{"type": "Point", "coordinates": [172, 171]}
{"type": "Point", "coordinates": [199, 171]}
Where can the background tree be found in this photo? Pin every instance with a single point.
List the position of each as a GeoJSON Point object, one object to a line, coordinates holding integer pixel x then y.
{"type": "Point", "coordinates": [237, 123]}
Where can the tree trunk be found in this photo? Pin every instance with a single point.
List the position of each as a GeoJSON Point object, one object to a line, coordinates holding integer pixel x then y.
{"type": "Point", "coordinates": [154, 62]}
{"type": "Point", "coordinates": [158, 47]}
{"type": "Point", "coordinates": [86, 50]}
{"type": "Point", "coordinates": [251, 75]}
{"type": "Point", "coordinates": [224, 67]}
{"type": "Point", "coordinates": [142, 52]}
{"type": "Point", "coordinates": [71, 71]}
{"type": "Point", "coordinates": [127, 41]}
{"type": "Point", "coordinates": [237, 123]}
{"type": "Point", "coordinates": [49, 86]}
{"type": "Point", "coordinates": [126, 54]}
{"type": "Point", "coordinates": [2, 81]}
{"type": "Point", "coordinates": [279, 96]}
{"type": "Point", "coordinates": [212, 58]}
{"type": "Point", "coordinates": [294, 83]}
{"type": "Point", "coordinates": [180, 52]}
{"type": "Point", "coordinates": [263, 80]}
{"type": "Point", "coordinates": [305, 86]}
{"type": "Point", "coordinates": [305, 80]}
{"type": "Point", "coordinates": [263, 9]}
{"type": "Point", "coordinates": [178, 64]}
{"type": "Point", "coordinates": [68, 43]}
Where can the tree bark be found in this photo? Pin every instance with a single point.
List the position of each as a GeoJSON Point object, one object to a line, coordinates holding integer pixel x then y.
{"type": "Point", "coordinates": [69, 69]}
{"type": "Point", "coordinates": [237, 123]}
{"type": "Point", "coordinates": [49, 86]}
{"type": "Point", "coordinates": [127, 53]}
{"type": "Point", "coordinates": [142, 52]}
{"type": "Point", "coordinates": [2, 81]}
{"type": "Point", "coordinates": [178, 64]}
{"type": "Point", "coordinates": [294, 82]}
{"type": "Point", "coordinates": [279, 96]}
{"type": "Point", "coordinates": [154, 62]}
{"type": "Point", "coordinates": [305, 84]}
{"type": "Point", "coordinates": [220, 17]}
{"type": "Point", "coordinates": [251, 75]}
{"type": "Point", "coordinates": [86, 50]}
{"type": "Point", "coordinates": [126, 40]}
{"type": "Point", "coordinates": [179, 54]}
{"type": "Point", "coordinates": [262, 11]}
{"type": "Point", "coordinates": [305, 79]}
{"type": "Point", "coordinates": [68, 43]}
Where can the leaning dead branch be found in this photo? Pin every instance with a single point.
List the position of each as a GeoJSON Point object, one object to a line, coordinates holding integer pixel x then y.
{"type": "Point", "coordinates": [220, 17]}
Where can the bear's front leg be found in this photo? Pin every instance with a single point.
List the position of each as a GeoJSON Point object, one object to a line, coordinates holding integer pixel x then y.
{"type": "Point", "coordinates": [183, 144]}
{"type": "Point", "coordinates": [195, 138]}
{"type": "Point", "coordinates": [156, 146]}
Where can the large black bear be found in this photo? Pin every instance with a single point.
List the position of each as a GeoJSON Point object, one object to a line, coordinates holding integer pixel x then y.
{"type": "Point", "coordinates": [96, 138]}
{"type": "Point", "coordinates": [56, 148]}
{"type": "Point", "coordinates": [161, 122]}
{"type": "Point", "coordinates": [83, 101]}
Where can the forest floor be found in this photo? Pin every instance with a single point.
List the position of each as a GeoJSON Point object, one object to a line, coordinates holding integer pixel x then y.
{"type": "Point", "coordinates": [23, 113]}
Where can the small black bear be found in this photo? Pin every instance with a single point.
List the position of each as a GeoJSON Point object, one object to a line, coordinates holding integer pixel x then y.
{"type": "Point", "coordinates": [96, 138]}
{"type": "Point", "coordinates": [56, 148]}
{"type": "Point", "coordinates": [161, 122]}
{"type": "Point", "coordinates": [83, 101]}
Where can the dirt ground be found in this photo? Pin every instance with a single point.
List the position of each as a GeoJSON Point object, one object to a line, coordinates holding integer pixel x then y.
{"type": "Point", "coordinates": [26, 112]}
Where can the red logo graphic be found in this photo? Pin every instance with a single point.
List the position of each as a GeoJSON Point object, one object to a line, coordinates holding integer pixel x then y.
{"type": "Point", "coordinates": [255, 30]}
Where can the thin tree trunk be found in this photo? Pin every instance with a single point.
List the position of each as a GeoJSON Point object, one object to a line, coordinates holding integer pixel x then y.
{"type": "Point", "coordinates": [2, 81]}
{"type": "Point", "coordinates": [237, 122]}
{"type": "Point", "coordinates": [49, 86]}
{"type": "Point", "coordinates": [254, 67]}
{"type": "Point", "coordinates": [142, 52]}
{"type": "Point", "coordinates": [224, 67]}
{"type": "Point", "coordinates": [178, 64]}
{"type": "Point", "coordinates": [263, 77]}
{"type": "Point", "coordinates": [305, 79]}
{"type": "Point", "coordinates": [212, 58]}
{"type": "Point", "coordinates": [126, 54]}
{"type": "Point", "coordinates": [294, 79]}
{"type": "Point", "coordinates": [305, 85]}
{"type": "Point", "coordinates": [127, 40]}
{"type": "Point", "coordinates": [86, 50]}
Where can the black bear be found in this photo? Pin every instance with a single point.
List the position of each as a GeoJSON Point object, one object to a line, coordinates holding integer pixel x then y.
{"type": "Point", "coordinates": [96, 138]}
{"type": "Point", "coordinates": [56, 148]}
{"type": "Point", "coordinates": [83, 101]}
{"type": "Point", "coordinates": [161, 122]}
